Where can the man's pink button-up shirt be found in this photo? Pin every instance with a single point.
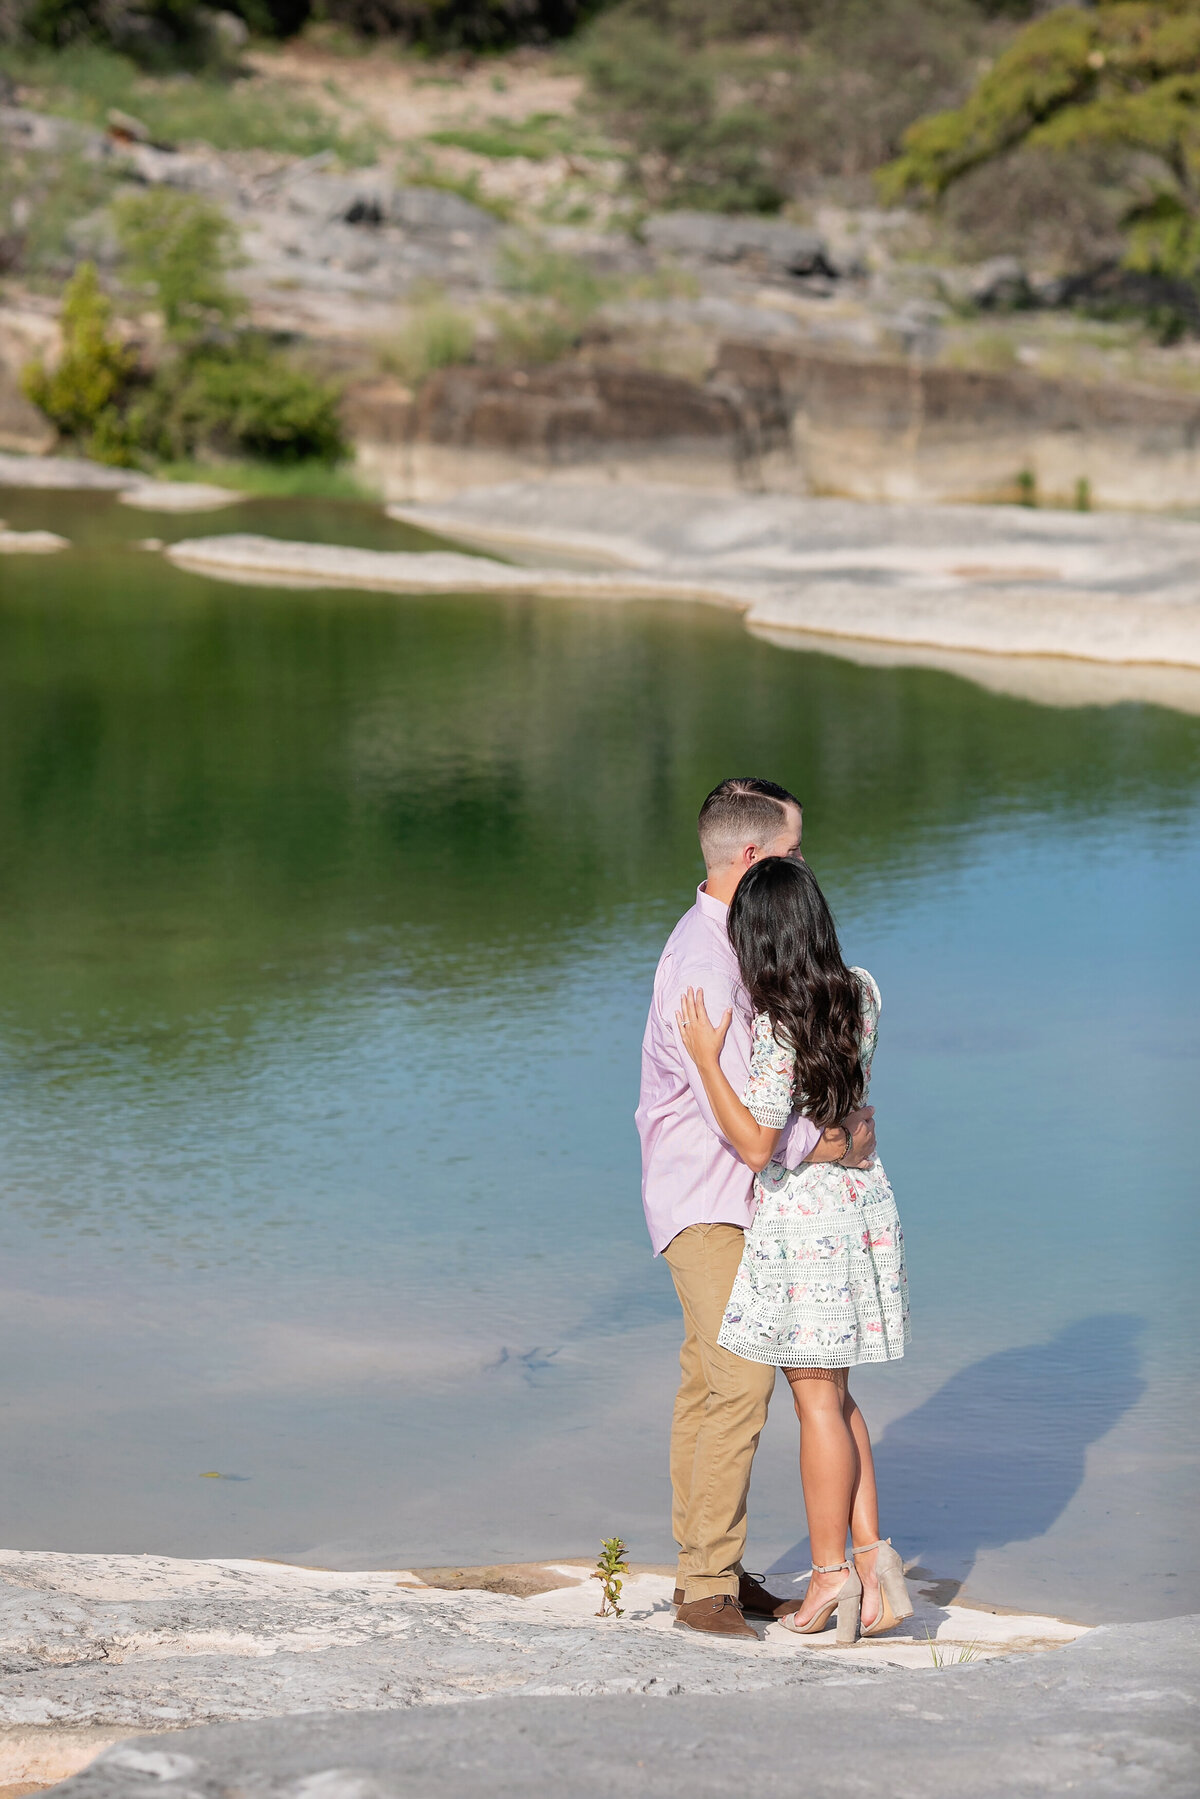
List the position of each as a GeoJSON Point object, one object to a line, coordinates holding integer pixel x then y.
{"type": "Point", "coordinates": [690, 1173]}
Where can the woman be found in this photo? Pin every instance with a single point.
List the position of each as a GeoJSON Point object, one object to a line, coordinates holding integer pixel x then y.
{"type": "Point", "coordinates": [822, 1283]}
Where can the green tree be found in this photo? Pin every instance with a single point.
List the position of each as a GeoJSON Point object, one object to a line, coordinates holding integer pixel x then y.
{"type": "Point", "coordinates": [181, 248]}
{"type": "Point", "coordinates": [1124, 74]}
{"type": "Point", "coordinates": [83, 393]}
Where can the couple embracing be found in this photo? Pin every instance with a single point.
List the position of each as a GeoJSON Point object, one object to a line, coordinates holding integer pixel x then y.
{"type": "Point", "coordinates": [765, 1197]}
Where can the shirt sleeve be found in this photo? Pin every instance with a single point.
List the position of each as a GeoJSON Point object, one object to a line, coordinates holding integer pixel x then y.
{"type": "Point", "coordinates": [768, 1091]}
{"type": "Point", "coordinates": [797, 1141]}
{"type": "Point", "coordinates": [719, 997]}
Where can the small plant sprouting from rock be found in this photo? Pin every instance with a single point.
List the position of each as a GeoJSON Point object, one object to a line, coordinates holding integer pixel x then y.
{"type": "Point", "coordinates": [610, 1566]}
{"type": "Point", "coordinates": [943, 1658]}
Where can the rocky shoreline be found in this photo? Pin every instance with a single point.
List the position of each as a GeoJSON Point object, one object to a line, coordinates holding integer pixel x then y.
{"type": "Point", "coordinates": [1061, 608]}
{"type": "Point", "coordinates": [96, 1647]}
{"type": "Point", "coordinates": [1112, 1717]}
{"type": "Point", "coordinates": [727, 352]}
{"type": "Point", "coordinates": [294, 1682]}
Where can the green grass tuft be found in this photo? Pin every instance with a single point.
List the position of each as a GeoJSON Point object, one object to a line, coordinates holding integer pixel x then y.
{"type": "Point", "coordinates": [434, 336]}
{"type": "Point", "coordinates": [84, 82]}
{"type": "Point", "coordinates": [539, 137]}
{"type": "Point", "coordinates": [297, 480]}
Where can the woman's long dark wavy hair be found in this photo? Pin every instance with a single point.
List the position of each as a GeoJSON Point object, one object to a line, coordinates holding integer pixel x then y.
{"type": "Point", "coordinates": [786, 943]}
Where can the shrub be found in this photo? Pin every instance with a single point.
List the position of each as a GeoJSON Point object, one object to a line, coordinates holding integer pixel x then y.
{"type": "Point", "coordinates": [525, 266]}
{"type": "Point", "coordinates": [244, 400]}
{"type": "Point", "coordinates": [868, 69]}
{"type": "Point", "coordinates": [182, 248]}
{"type": "Point", "coordinates": [460, 24]}
{"type": "Point", "coordinates": [556, 294]}
{"type": "Point", "coordinates": [156, 33]}
{"type": "Point", "coordinates": [434, 337]}
{"type": "Point", "coordinates": [687, 147]}
{"type": "Point", "coordinates": [1121, 76]}
{"type": "Point", "coordinates": [532, 333]}
{"type": "Point", "coordinates": [84, 393]}
{"type": "Point", "coordinates": [43, 195]}
{"type": "Point", "coordinates": [1057, 213]}
{"type": "Point", "coordinates": [718, 118]}
{"type": "Point", "coordinates": [224, 393]}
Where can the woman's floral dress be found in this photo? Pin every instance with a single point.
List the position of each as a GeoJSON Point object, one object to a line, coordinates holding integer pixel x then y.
{"type": "Point", "coordinates": [822, 1282]}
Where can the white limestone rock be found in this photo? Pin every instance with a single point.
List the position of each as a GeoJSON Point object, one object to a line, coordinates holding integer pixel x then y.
{"type": "Point", "coordinates": [178, 496]}
{"type": "Point", "coordinates": [30, 543]}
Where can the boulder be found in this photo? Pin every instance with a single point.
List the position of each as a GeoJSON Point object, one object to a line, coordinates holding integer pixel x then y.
{"type": "Point", "coordinates": [126, 128]}
{"type": "Point", "coordinates": [358, 199]}
{"type": "Point", "coordinates": [436, 210]}
{"type": "Point", "coordinates": [175, 168]}
{"type": "Point", "coordinates": [568, 411]}
{"type": "Point", "coordinates": [766, 246]}
{"type": "Point", "coordinates": [25, 130]}
{"type": "Point", "coordinates": [1001, 285]}
{"type": "Point", "coordinates": [367, 198]}
{"type": "Point", "coordinates": [231, 32]}
{"type": "Point", "coordinates": [62, 472]}
{"type": "Point", "coordinates": [1113, 289]}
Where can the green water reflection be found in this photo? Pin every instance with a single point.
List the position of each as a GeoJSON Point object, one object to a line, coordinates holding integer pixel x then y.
{"type": "Point", "coordinates": [195, 778]}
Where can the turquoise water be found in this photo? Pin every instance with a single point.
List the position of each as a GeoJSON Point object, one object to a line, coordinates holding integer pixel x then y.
{"type": "Point", "coordinates": [327, 923]}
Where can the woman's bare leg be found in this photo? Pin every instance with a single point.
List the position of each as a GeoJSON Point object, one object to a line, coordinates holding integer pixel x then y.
{"type": "Point", "coordinates": [829, 1472]}
{"type": "Point", "coordinates": [864, 1508]}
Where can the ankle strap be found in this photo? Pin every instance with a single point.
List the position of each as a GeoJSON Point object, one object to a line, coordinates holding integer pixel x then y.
{"type": "Point", "coordinates": [833, 1568]}
{"type": "Point", "coordinates": [862, 1548]}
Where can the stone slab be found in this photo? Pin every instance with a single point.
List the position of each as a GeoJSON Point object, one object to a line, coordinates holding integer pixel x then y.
{"type": "Point", "coordinates": [30, 543]}
{"type": "Point", "coordinates": [61, 472]}
{"type": "Point", "coordinates": [130, 487]}
{"type": "Point", "coordinates": [993, 584]}
{"type": "Point", "coordinates": [1104, 589]}
{"type": "Point", "coordinates": [95, 1646]}
{"type": "Point", "coordinates": [178, 496]}
{"type": "Point", "coordinates": [1113, 1715]}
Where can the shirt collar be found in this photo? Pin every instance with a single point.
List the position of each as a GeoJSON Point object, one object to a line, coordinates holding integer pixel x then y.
{"type": "Point", "coordinates": [712, 908]}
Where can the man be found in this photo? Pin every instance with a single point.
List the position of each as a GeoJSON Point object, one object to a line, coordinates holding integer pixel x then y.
{"type": "Point", "coordinates": [698, 1197]}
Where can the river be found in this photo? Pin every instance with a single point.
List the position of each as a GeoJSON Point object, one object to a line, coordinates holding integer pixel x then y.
{"type": "Point", "coordinates": [327, 924]}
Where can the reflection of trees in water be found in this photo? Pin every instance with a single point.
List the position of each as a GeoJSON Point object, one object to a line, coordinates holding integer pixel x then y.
{"type": "Point", "coordinates": [196, 779]}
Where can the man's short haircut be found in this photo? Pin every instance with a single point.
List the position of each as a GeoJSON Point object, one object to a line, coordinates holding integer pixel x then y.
{"type": "Point", "coordinates": [739, 811]}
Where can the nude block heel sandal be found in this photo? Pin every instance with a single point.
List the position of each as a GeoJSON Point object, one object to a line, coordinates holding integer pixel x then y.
{"type": "Point", "coordinates": [894, 1602]}
{"type": "Point", "coordinates": [846, 1602]}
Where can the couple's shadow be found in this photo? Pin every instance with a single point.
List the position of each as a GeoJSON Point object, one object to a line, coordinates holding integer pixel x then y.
{"type": "Point", "coordinates": [997, 1454]}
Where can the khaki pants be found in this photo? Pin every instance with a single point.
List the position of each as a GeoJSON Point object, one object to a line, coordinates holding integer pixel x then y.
{"type": "Point", "coordinates": [719, 1412]}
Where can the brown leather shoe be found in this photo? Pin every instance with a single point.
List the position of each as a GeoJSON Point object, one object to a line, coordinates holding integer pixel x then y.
{"type": "Point", "coordinates": [753, 1598]}
{"type": "Point", "coordinates": [720, 1616]}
